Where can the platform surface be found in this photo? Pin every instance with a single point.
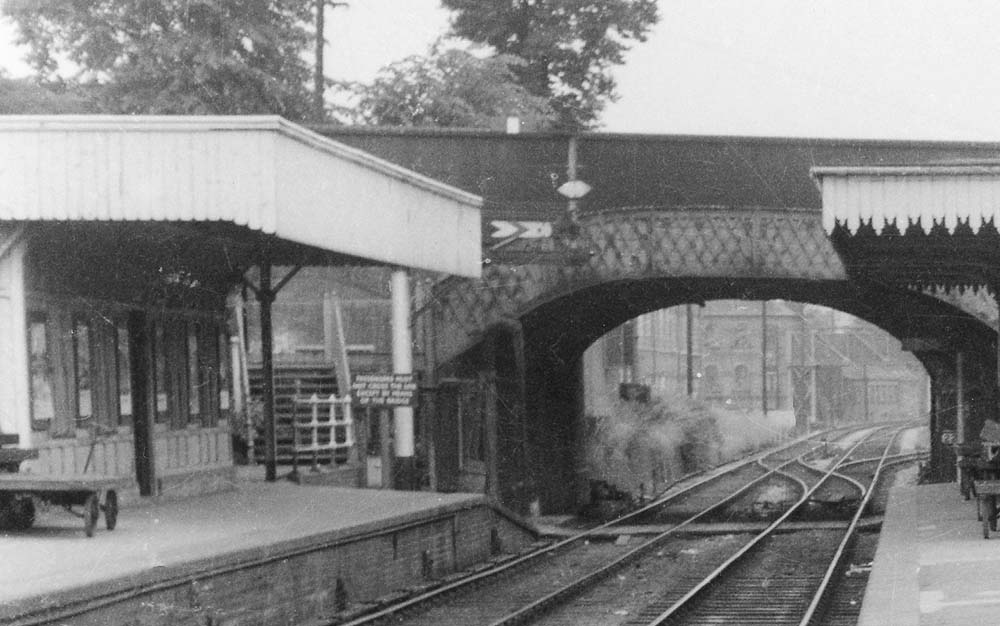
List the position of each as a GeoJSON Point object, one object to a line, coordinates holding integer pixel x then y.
{"type": "Point", "coordinates": [933, 566]}
{"type": "Point", "coordinates": [55, 558]}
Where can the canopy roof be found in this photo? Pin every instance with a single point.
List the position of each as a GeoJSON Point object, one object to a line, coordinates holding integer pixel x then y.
{"type": "Point", "coordinates": [902, 196]}
{"type": "Point", "coordinates": [933, 225]}
{"type": "Point", "coordinates": [237, 177]}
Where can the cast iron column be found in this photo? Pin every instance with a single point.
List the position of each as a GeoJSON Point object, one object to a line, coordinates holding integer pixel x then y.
{"type": "Point", "coordinates": [402, 363]}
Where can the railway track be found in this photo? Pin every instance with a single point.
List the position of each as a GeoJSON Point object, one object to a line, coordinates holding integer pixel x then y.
{"type": "Point", "coordinates": [777, 577]}
{"type": "Point", "coordinates": [578, 579]}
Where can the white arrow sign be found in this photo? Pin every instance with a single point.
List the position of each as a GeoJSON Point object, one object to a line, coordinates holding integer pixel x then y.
{"type": "Point", "coordinates": [520, 230]}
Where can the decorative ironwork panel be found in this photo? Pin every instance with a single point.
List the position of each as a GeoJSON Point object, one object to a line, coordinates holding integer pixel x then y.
{"type": "Point", "coordinates": [637, 244]}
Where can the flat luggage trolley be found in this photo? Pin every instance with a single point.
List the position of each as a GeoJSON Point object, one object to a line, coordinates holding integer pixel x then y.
{"type": "Point", "coordinates": [18, 493]}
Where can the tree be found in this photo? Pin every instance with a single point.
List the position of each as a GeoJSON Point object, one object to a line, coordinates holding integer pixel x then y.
{"type": "Point", "coordinates": [175, 56]}
{"type": "Point", "coordinates": [569, 46]}
{"type": "Point", "coordinates": [18, 96]}
{"type": "Point", "coordinates": [449, 87]}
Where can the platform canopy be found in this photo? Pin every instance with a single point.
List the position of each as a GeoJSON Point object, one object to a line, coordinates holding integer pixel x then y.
{"type": "Point", "coordinates": [926, 226]}
{"type": "Point", "coordinates": [241, 179]}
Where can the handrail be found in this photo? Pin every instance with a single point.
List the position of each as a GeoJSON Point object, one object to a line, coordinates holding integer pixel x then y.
{"type": "Point", "coordinates": [330, 427]}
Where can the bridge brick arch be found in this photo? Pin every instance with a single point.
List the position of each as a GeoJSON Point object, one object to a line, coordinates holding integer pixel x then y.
{"type": "Point", "coordinates": [643, 259]}
{"type": "Point", "coordinates": [640, 244]}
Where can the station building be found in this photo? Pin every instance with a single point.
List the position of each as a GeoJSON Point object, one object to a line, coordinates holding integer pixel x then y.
{"type": "Point", "coordinates": [121, 239]}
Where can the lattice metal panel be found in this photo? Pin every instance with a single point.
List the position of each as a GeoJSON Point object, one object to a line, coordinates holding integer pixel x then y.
{"type": "Point", "coordinates": [643, 243]}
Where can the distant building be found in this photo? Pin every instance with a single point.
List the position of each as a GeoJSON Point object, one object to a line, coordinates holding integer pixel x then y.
{"type": "Point", "coordinates": [824, 365]}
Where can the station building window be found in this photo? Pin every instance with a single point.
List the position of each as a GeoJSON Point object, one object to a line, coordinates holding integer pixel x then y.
{"type": "Point", "coordinates": [207, 372]}
{"type": "Point", "coordinates": [161, 378]}
{"type": "Point", "coordinates": [41, 371]}
{"type": "Point", "coordinates": [83, 390]}
{"type": "Point", "coordinates": [225, 371]}
{"type": "Point", "coordinates": [196, 382]}
{"type": "Point", "coordinates": [80, 372]}
{"type": "Point", "coordinates": [123, 367]}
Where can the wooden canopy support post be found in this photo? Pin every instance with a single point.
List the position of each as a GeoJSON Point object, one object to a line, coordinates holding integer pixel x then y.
{"type": "Point", "coordinates": [265, 296]}
{"type": "Point", "coordinates": [143, 412]}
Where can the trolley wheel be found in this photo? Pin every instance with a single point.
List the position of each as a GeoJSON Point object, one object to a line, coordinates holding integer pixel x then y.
{"type": "Point", "coordinates": [110, 509]}
{"type": "Point", "coordinates": [91, 510]}
{"type": "Point", "coordinates": [23, 510]}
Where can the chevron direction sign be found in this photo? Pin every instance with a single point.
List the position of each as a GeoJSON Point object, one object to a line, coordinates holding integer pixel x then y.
{"type": "Point", "coordinates": [503, 229]}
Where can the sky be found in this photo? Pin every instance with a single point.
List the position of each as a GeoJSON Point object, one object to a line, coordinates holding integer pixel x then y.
{"type": "Point", "coordinates": [895, 69]}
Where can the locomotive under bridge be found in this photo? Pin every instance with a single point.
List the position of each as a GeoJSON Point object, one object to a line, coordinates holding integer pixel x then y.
{"type": "Point", "coordinates": [670, 221]}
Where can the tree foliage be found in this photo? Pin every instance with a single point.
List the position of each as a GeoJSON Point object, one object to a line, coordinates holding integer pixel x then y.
{"type": "Point", "coordinates": [174, 56]}
{"type": "Point", "coordinates": [569, 46]}
{"type": "Point", "coordinates": [449, 87]}
{"type": "Point", "coordinates": [19, 96]}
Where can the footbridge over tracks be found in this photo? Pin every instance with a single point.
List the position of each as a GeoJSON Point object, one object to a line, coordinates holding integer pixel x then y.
{"type": "Point", "coordinates": [669, 220]}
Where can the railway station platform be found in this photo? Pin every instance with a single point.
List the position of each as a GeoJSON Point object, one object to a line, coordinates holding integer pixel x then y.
{"type": "Point", "coordinates": [260, 553]}
{"type": "Point", "coordinates": [932, 565]}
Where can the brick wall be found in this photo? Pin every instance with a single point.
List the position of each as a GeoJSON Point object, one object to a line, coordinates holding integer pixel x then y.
{"type": "Point", "coordinates": [293, 586]}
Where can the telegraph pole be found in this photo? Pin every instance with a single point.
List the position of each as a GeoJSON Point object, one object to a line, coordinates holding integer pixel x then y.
{"type": "Point", "coordinates": [319, 76]}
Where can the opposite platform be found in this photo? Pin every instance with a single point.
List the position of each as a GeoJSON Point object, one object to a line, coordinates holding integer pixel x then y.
{"type": "Point", "coordinates": [933, 566]}
{"type": "Point", "coordinates": [261, 553]}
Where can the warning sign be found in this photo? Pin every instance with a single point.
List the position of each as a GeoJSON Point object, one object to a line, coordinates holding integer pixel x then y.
{"type": "Point", "coordinates": [384, 390]}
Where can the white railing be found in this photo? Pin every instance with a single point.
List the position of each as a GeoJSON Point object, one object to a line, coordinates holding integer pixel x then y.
{"type": "Point", "coordinates": [327, 426]}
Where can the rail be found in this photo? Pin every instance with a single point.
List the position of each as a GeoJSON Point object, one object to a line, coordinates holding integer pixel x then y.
{"type": "Point", "coordinates": [837, 562]}
{"type": "Point", "coordinates": [575, 586]}
{"type": "Point", "coordinates": [710, 580]}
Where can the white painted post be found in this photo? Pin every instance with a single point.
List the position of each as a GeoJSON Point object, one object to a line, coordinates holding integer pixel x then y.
{"type": "Point", "coordinates": [402, 358]}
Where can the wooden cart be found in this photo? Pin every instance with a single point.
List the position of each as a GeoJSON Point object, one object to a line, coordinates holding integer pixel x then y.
{"type": "Point", "coordinates": [18, 492]}
{"type": "Point", "coordinates": [93, 494]}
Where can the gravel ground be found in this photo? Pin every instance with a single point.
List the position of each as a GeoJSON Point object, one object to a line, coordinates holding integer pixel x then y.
{"type": "Point", "coordinates": [674, 568]}
{"type": "Point", "coordinates": [702, 497]}
{"type": "Point", "coordinates": [497, 598]}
